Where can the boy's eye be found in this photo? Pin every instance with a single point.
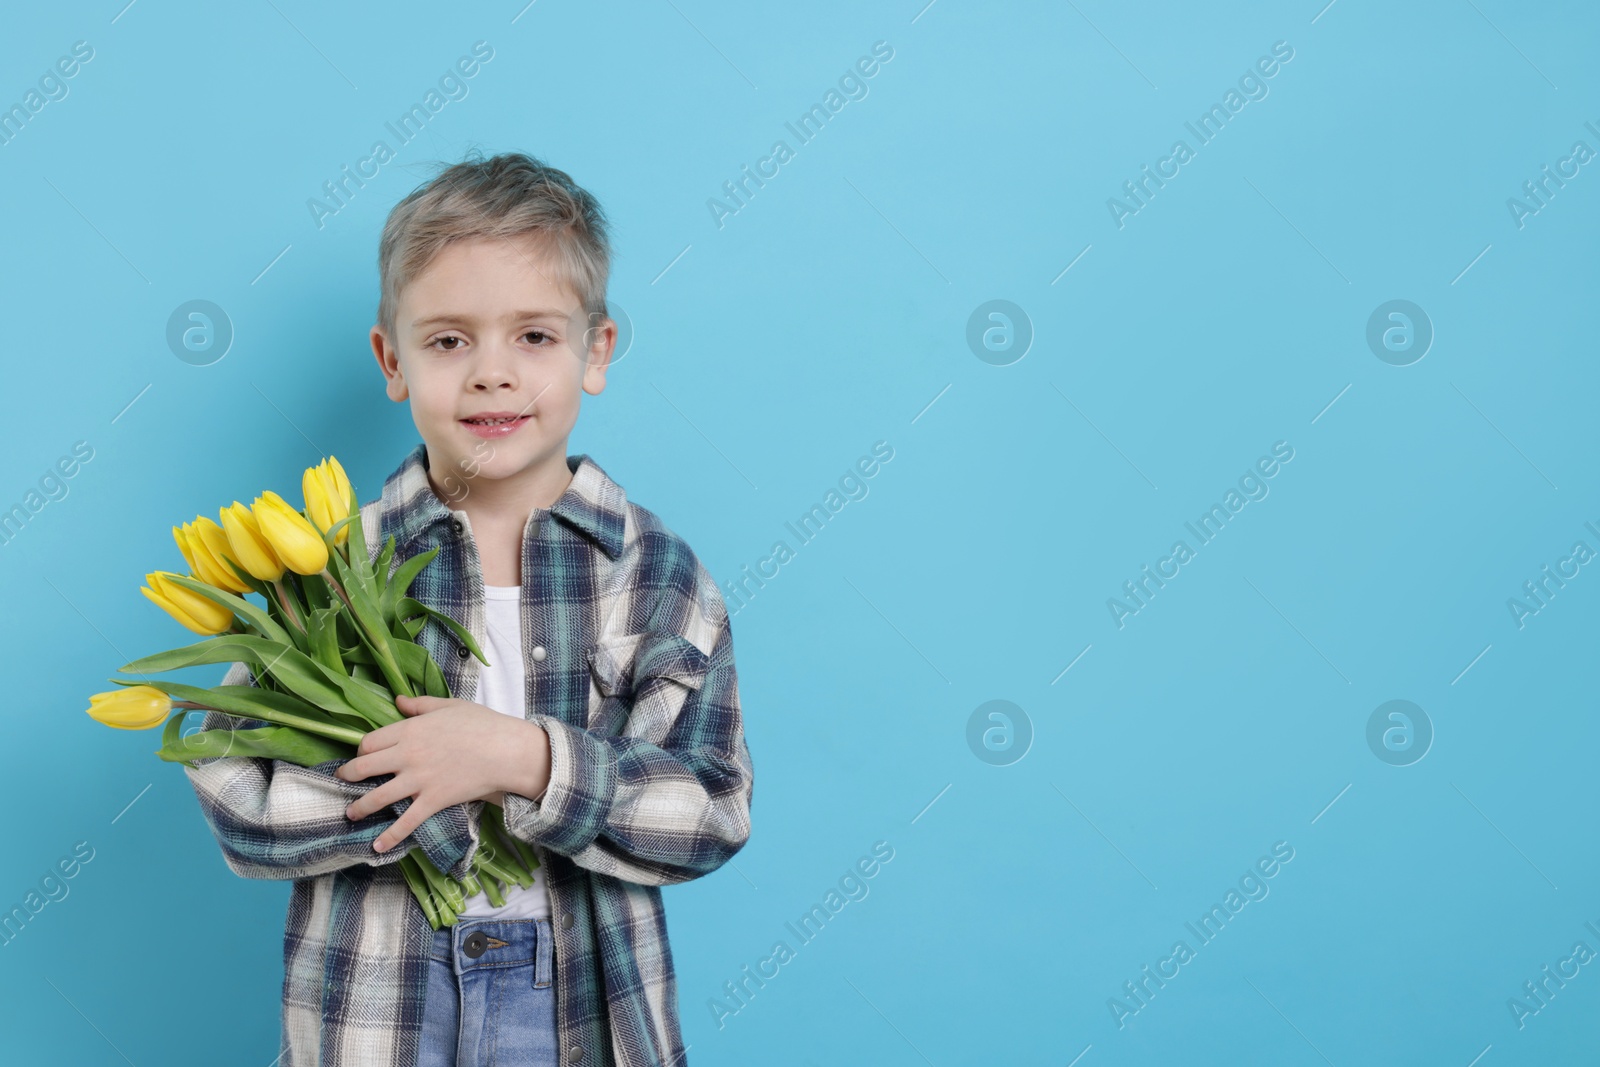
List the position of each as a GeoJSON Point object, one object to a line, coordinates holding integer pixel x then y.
{"type": "Point", "coordinates": [439, 342]}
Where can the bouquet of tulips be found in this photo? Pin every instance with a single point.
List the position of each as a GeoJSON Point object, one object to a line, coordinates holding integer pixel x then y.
{"type": "Point", "coordinates": [331, 648]}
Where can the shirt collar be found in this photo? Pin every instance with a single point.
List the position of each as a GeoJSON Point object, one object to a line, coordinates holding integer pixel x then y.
{"type": "Point", "coordinates": [593, 504]}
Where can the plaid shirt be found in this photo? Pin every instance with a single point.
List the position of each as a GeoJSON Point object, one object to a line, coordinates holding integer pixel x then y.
{"type": "Point", "coordinates": [650, 785]}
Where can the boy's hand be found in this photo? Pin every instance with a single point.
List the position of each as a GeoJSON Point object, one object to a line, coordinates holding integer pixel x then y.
{"type": "Point", "coordinates": [445, 752]}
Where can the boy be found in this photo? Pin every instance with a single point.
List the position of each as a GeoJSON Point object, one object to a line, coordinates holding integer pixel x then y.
{"type": "Point", "coordinates": [607, 725]}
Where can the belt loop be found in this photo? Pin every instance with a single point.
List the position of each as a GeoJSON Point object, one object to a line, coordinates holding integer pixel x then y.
{"type": "Point", "coordinates": [451, 939]}
{"type": "Point", "coordinates": [544, 953]}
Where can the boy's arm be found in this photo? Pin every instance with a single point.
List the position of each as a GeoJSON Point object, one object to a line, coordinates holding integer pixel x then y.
{"type": "Point", "coordinates": [667, 799]}
{"type": "Point", "coordinates": [278, 820]}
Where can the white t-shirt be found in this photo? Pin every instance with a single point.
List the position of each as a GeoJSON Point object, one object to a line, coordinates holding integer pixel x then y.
{"type": "Point", "coordinates": [501, 687]}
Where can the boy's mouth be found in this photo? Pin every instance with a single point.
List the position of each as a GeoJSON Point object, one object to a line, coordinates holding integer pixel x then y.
{"type": "Point", "coordinates": [495, 423]}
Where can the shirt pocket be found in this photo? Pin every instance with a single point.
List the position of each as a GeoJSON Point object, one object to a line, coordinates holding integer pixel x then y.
{"type": "Point", "coordinates": [641, 682]}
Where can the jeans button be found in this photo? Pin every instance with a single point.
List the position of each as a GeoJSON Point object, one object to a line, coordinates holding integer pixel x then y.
{"type": "Point", "coordinates": [475, 944]}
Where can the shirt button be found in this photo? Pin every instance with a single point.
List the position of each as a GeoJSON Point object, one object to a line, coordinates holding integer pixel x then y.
{"type": "Point", "coordinates": [461, 651]}
{"type": "Point", "coordinates": [574, 1054]}
{"type": "Point", "coordinates": [566, 924]}
{"type": "Point", "coordinates": [455, 524]}
{"type": "Point", "coordinates": [538, 653]}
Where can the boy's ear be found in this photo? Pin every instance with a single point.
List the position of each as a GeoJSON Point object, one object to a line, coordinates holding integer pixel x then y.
{"type": "Point", "coordinates": [602, 343]}
{"type": "Point", "coordinates": [389, 363]}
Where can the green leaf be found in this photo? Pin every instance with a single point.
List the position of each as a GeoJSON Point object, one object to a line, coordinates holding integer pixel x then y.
{"type": "Point", "coordinates": [331, 534]}
{"type": "Point", "coordinates": [344, 571]}
{"type": "Point", "coordinates": [357, 653]}
{"type": "Point", "coordinates": [367, 674]}
{"type": "Point", "coordinates": [211, 650]}
{"type": "Point", "coordinates": [409, 608]}
{"type": "Point", "coordinates": [238, 605]}
{"type": "Point", "coordinates": [252, 702]}
{"type": "Point", "coordinates": [174, 728]}
{"type": "Point", "coordinates": [408, 629]}
{"type": "Point", "coordinates": [375, 635]}
{"type": "Point", "coordinates": [364, 574]}
{"type": "Point", "coordinates": [357, 542]}
{"type": "Point", "coordinates": [373, 682]}
{"type": "Point", "coordinates": [433, 682]}
{"type": "Point", "coordinates": [285, 704]}
{"type": "Point", "coordinates": [404, 575]}
{"type": "Point", "coordinates": [380, 569]}
{"type": "Point", "coordinates": [293, 669]}
{"type": "Point", "coordinates": [421, 670]}
{"type": "Point", "coordinates": [317, 591]}
{"type": "Point", "coordinates": [271, 742]}
{"type": "Point", "coordinates": [284, 620]}
{"type": "Point", "coordinates": [322, 633]}
{"type": "Point", "coordinates": [246, 577]}
{"type": "Point", "coordinates": [413, 659]}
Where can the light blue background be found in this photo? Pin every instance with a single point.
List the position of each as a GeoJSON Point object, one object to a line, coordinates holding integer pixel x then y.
{"type": "Point", "coordinates": [828, 314]}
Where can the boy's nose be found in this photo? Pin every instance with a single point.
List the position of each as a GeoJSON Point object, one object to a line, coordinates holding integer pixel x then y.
{"type": "Point", "coordinates": [493, 372]}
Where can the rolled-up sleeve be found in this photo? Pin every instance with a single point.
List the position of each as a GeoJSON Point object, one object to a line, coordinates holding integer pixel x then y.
{"type": "Point", "coordinates": [665, 799]}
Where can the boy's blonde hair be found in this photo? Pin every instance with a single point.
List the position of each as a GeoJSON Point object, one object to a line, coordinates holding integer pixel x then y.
{"type": "Point", "coordinates": [510, 195]}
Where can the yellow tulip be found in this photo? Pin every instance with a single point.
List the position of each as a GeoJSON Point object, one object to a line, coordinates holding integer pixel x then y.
{"type": "Point", "coordinates": [182, 534]}
{"type": "Point", "coordinates": [250, 549]}
{"type": "Point", "coordinates": [206, 554]}
{"type": "Point", "coordinates": [134, 707]}
{"type": "Point", "coordinates": [198, 613]}
{"type": "Point", "coordinates": [298, 543]}
{"type": "Point", "coordinates": [327, 493]}
{"type": "Point", "coordinates": [213, 546]}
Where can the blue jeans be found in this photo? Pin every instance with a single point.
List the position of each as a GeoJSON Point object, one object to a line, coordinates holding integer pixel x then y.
{"type": "Point", "coordinates": [491, 995]}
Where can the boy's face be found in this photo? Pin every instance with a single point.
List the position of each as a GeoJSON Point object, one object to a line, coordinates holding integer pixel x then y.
{"type": "Point", "coordinates": [488, 329]}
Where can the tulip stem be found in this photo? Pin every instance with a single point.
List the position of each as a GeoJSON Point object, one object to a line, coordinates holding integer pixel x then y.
{"type": "Point", "coordinates": [379, 643]}
{"type": "Point", "coordinates": [333, 583]}
{"type": "Point", "coordinates": [289, 612]}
